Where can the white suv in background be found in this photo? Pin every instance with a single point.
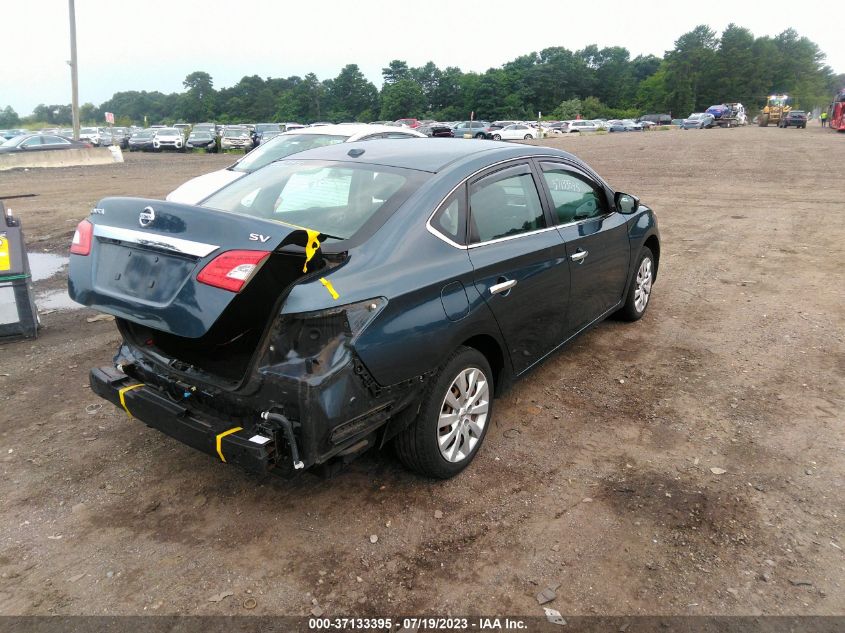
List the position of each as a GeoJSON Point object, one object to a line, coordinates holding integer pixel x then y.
{"type": "Point", "coordinates": [168, 138]}
{"type": "Point", "coordinates": [582, 126]}
{"type": "Point", "coordinates": [90, 134]}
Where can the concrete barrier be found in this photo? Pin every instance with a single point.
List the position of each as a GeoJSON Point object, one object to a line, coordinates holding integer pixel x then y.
{"type": "Point", "coordinates": [58, 158]}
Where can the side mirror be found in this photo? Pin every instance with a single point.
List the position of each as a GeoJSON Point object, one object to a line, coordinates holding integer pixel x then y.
{"type": "Point", "coordinates": [626, 203]}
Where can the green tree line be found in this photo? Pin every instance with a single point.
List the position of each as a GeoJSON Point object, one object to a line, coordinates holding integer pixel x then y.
{"type": "Point", "coordinates": [701, 70]}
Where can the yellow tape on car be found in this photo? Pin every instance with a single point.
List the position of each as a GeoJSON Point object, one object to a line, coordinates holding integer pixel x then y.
{"type": "Point", "coordinates": [122, 394]}
{"type": "Point", "coordinates": [5, 257]}
{"type": "Point", "coordinates": [330, 288]}
{"type": "Point", "coordinates": [311, 247]}
{"type": "Point", "coordinates": [220, 440]}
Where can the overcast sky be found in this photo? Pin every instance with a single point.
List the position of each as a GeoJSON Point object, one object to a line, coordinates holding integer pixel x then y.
{"type": "Point", "coordinates": [154, 44]}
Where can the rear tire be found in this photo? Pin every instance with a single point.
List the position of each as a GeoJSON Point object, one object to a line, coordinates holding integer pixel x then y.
{"type": "Point", "coordinates": [454, 415]}
{"type": "Point", "coordinates": [497, 137]}
{"type": "Point", "coordinates": [639, 294]}
{"type": "Point", "coordinates": [528, 137]}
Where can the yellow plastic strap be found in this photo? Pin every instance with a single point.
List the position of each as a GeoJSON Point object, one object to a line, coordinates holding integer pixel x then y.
{"type": "Point", "coordinates": [122, 394]}
{"type": "Point", "coordinates": [5, 257]}
{"type": "Point", "coordinates": [220, 440]}
{"type": "Point", "coordinates": [311, 247]}
{"type": "Point", "coordinates": [330, 288]}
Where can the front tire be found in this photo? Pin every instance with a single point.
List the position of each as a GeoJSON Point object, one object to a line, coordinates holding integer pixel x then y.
{"type": "Point", "coordinates": [528, 137]}
{"type": "Point", "coordinates": [639, 293]}
{"type": "Point", "coordinates": [454, 415]}
{"type": "Point", "coordinates": [497, 137]}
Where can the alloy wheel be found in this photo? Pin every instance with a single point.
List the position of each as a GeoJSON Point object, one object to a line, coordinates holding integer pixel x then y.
{"type": "Point", "coordinates": [642, 292]}
{"type": "Point", "coordinates": [463, 415]}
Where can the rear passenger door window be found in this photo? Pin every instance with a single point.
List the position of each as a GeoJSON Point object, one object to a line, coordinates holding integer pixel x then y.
{"type": "Point", "coordinates": [573, 196]}
{"type": "Point", "coordinates": [505, 204]}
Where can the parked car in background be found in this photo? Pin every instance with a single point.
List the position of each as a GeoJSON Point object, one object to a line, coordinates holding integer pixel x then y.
{"type": "Point", "coordinates": [142, 141]}
{"type": "Point", "coordinates": [199, 188]}
{"type": "Point", "coordinates": [795, 118]}
{"type": "Point", "coordinates": [205, 127]}
{"type": "Point", "coordinates": [270, 134]}
{"type": "Point", "coordinates": [477, 129]}
{"type": "Point", "coordinates": [581, 126]}
{"type": "Point", "coordinates": [168, 138]}
{"type": "Point", "coordinates": [513, 132]}
{"type": "Point", "coordinates": [411, 123]}
{"type": "Point", "coordinates": [39, 143]}
{"type": "Point", "coordinates": [698, 121]}
{"type": "Point", "coordinates": [121, 136]}
{"type": "Point", "coordinates": [498, 125]}
{"type": "Point", "coordinates": [442, 272]}
{"type": "Point", "coordinates": [624, 125]}
{"type": "Point", "coordinates": [656, 119]}
{"type": "Point", "coordinates": [236, 137]}
{"type": "Point", "coordinates": [201, 139]}
{"type": "Point", "coordinates": [90, 134]}
{"type": "Point", "coordinates": [7, 134]}
{"type": "Point", "coordinates": [184, 128]}
{"type": "Point", "coordinates": [261, 129]}
{"type": "Point", "coordinates": [106, 138]}
{"type": "Point", "coordinates": [440, 130]}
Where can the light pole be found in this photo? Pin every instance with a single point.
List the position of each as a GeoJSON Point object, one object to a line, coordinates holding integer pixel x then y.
{"type": "Point", "coordinates": [74, 71]}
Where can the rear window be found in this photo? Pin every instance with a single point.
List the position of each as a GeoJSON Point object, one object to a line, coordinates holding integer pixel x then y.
{"type": "Point", "coordinates": [337, 199]}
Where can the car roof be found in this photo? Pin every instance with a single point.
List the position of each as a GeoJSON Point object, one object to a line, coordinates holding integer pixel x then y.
{"type": "Point", "coordinates": [425, 154]}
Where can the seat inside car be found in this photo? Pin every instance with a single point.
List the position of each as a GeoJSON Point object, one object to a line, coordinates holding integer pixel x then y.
{"type": "Point", "coordinates": [498, 210]}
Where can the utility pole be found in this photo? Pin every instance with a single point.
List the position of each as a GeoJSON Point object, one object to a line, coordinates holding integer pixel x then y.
{"type": "Point", "coordinates": [74, 71]}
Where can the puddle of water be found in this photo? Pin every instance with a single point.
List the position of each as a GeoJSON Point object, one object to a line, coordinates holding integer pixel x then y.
{"type": "Point", "coordinates": [56, 300]}
{"type": "Point", "coordinates": [45, 265]}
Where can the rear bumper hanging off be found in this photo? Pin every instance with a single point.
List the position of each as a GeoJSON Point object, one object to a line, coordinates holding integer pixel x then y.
{"type": "Point", "coordinates": [232, 444]}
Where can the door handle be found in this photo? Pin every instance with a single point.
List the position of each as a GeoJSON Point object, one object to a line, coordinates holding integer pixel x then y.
{"type": "Point", "coordinates": [502, 287]}
{"type": "Point", "coordinates": [579, 257]}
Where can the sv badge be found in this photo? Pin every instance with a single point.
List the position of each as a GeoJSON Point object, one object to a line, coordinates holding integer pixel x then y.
{"type": "Point", "coordinates": [257, 237]}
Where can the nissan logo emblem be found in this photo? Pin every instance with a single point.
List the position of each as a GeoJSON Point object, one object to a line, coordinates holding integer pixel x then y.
{"type": "Point", "coordinates": [147, 217]}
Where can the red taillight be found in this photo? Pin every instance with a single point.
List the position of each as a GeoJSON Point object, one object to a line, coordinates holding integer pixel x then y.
{"type": "Point", "coordinates": [232, 269]}
{"type": "Point", "coordinates": [81, 243]}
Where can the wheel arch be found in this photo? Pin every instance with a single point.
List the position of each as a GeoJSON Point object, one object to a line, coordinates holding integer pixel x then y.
{"type": "Point", "coordinates": [492, 351]}
{"type": "Point", "coordinates": [653, 245]}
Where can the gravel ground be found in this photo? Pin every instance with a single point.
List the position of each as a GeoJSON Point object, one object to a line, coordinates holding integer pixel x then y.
{"type": "Point", "coordinates": [689, 463]}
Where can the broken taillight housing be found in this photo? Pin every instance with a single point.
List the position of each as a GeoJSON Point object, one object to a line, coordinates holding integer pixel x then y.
{"type": "Point", "coordinates": [232, 269]}
{"type": "Point", "coordinates": [320, 338]}
{"type": "Point", "coordinates": [82, 237]}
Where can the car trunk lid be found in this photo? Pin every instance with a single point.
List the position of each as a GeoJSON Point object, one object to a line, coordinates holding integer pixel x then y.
{"type": "Point", "coordinates": [146, 256]}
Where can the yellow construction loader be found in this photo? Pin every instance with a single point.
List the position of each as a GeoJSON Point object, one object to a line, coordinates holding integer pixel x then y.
{"type": "Point", "coordinates": [776, 108]}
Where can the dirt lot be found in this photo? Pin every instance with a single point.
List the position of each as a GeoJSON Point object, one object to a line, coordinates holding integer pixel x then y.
{"type": "Point", "coordinates": [597, 475]}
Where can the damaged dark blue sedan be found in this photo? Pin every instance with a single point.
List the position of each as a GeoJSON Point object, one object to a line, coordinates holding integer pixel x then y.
{"type": "Point", "coordinates": [358, 294]}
